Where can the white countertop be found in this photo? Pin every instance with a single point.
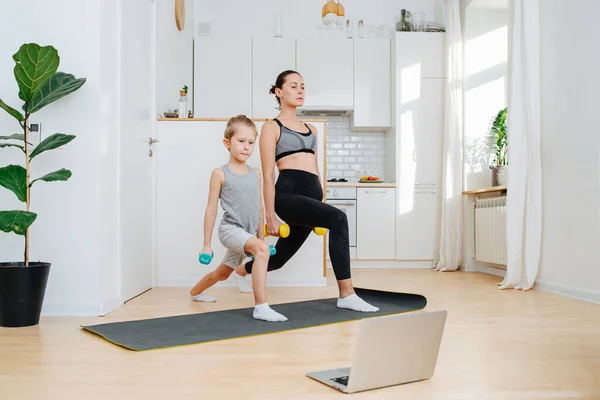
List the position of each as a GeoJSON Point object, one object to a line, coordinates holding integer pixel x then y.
{"type": "Point", "coordinates": [358, 184]}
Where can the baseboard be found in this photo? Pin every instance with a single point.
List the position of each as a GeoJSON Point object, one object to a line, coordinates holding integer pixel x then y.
{"type": "Point", "coordinates": [69, 310]}
{"type": "Point", "coordinates": [569, 291]}
{"type": "Point", "coordinates": [387, 264]}
{"type": "Point", "coordinates": [106, 307]}
{"type": "Point", "coordinates": [271, 282]}
{"type": "Point", "coordinates": [485, 269]}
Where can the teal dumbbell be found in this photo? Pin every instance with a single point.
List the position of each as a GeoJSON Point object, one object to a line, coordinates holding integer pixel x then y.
{"type": "Point", "coordinates": [206, 258]}
{"type": "Point", "coordinates": [272, 250]}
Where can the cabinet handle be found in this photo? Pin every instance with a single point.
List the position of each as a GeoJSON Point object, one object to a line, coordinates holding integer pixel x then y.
{"type": "Point", "coordinates": [378, 191]}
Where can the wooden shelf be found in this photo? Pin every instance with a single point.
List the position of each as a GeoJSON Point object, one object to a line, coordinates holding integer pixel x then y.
{"type": "Point", "coordinates": [486, 190]}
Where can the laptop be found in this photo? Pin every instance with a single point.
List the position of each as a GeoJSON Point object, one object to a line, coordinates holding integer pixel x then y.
{"type": "Point", "coordinates": [390, 350]}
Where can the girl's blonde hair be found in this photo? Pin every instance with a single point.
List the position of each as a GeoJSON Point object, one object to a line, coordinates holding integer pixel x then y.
{"type": "Point", "coordinates": [238, 119]}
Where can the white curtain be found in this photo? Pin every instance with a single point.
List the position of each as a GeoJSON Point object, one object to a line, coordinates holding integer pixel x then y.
{"type": "Point", "coordinates": [450, 236]}
{"type": "Point", "coordinates": [524, 195]}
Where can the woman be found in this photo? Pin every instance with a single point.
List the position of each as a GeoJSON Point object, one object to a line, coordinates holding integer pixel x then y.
{"type": "Point", "coordinates": [291, 145]}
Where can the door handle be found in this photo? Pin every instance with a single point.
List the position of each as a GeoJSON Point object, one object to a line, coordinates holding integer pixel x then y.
{"type": "Point", "coordinates": [151, 141]}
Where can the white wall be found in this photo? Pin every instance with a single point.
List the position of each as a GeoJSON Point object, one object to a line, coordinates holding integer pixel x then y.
{"type": "Point", "coordinates": [301, 18]}
{"type": "Point", "coordinates": [485, 36]}
{"type": "Point", "coordinates": [570, 83]}
{"type": "Point", "coordinates": [67, 230]}
{"type": "Point", "coordinates": [174, 56]}
{"type": "Point", "coordinates": [107, 272]}
{"type": "Point", "coordinates": [78, 223]}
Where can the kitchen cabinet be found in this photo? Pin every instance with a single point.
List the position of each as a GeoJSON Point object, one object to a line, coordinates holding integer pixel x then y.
{"type": "Point", "coordinates": [222, 77]}
{"type": "Point", "coordinates": [420, 55]}
{"type": "Point", "coordinates": [420, 132]}
{"type": "Point", "coordinates": [185, 155]}
{"type": "Point", "coordinates": [419, 119]}
{"type": "Point", "coordinates": [270, 57]}
{"type": "Point", "coordinates": [372, 84]}
{"type": "Point", "coordinates": [328, 71]}
{"type": "Point", "coordinates": [416, 224]}
{"type": "Point", "coordinates": [375, 225]}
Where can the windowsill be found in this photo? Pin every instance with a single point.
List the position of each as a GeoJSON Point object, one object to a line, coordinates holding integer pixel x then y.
{"type": "Point", "coordinates": [486, 190]}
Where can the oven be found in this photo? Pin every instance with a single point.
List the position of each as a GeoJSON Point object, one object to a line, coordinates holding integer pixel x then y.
{"type": "Point", "coordinates": [344, 198]}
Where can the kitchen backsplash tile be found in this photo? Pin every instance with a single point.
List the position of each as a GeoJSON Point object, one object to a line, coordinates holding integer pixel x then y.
{"type": "Point", "coordinates": [349, 151]}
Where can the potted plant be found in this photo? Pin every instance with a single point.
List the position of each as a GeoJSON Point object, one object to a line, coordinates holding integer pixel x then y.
{"type": "Point", "coordinates": [500, 166]}
{"type": "Point", "coordinates": [23, 283]}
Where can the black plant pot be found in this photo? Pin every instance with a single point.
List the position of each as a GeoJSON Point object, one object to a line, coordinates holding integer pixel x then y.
{"type": "Point", "coordinates": [22, 291]}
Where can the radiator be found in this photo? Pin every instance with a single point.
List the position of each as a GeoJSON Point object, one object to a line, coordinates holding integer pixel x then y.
{"type": "Point", "coordinates": [490, 230]}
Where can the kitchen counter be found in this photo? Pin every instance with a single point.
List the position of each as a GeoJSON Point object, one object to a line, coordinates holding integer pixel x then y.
{"type": "Point", "coordinates": [358, 184]}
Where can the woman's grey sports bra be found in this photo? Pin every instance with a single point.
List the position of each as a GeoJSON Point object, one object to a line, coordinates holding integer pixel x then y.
{"type": "Point", "coordinates": [291, 142]}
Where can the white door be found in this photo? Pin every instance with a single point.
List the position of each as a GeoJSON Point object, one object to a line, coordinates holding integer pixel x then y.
{"type": "Point", "coordinates": [136, 166]}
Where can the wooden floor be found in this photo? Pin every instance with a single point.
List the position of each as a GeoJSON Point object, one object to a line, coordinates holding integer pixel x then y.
{"type": "Point", "coordinates": [497, 345]}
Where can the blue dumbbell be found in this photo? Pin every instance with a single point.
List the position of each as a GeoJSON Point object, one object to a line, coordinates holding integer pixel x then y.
{"type": "Point", "coordinates": [206, 258]}
{"type": "Point", "coordinates": [272, 250]}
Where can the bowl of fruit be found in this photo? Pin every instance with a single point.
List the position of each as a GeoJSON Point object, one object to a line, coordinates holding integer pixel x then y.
{"type": "Point", "coordinates": [370, 179]}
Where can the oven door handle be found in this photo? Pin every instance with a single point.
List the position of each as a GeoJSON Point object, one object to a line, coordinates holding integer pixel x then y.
{"type": "Point", "coordinates": [342, 204]}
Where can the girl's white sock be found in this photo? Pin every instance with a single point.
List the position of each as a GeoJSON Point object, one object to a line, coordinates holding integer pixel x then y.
{"type": "Point", "coordinates": [203, 297]}
{"type": "Point", "coordinates": [242, 283]}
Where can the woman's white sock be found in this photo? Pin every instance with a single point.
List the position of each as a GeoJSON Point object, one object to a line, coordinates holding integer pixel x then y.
{"type": "Point", "coordinates": [353, 302]}
{"type": "Point", "coordinates": [266, 313]}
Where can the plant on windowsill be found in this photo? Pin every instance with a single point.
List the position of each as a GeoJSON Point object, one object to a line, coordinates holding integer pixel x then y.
{"type": "Point", "coordinates": [499, 134]}
{"type": "Point", "coordinates": [23, 283]}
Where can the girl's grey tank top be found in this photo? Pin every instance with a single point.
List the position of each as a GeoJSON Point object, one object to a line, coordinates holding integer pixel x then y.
{"type": "Point", "coordinates": [240, 199]}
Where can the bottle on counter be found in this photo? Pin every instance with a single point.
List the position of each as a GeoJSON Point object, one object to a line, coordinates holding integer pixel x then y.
{"type": "Point", "coordinates": [182, 108]}
{"type": "Point", "coordinates": [403, 25]}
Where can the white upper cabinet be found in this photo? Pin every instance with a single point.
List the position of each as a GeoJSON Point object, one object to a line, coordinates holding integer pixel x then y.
{"type": "Point", "coordinates": [420, 55]}
{"type": "Point", "coordinates": [328, 71]}
{"type": "Point", "coordinates": [372, 84]}
{"type": "Point", "coordinates": [222, 77]}
{"type": "Point", "coordinates": [270, 57]}
{"type": "Point", "coordinates": [419, 131]}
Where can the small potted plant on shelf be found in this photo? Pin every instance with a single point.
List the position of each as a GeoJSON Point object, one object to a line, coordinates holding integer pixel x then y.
{"type": "Point", "coordinates": [500, 166]}
{"type": "Point", "coordinates": [23, 283]}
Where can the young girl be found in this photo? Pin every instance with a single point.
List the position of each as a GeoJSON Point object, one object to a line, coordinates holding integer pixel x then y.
{"type": "Point", "coordinates": [241, 231]}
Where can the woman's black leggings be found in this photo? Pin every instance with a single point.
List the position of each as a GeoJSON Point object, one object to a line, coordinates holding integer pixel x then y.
{"type": "Point", "coordinates": [298, 202]}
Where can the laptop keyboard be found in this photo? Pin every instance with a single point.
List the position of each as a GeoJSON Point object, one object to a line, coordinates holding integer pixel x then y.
{"type": "Point", "coordinates": [343, 380]}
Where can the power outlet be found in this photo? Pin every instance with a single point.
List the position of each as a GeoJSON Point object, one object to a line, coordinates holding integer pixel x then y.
{"type": "Point", "coordinates": [35, 134]}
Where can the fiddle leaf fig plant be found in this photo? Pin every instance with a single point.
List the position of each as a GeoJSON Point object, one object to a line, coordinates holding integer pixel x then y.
{"type": "Point", "coordinates": [40, 84]}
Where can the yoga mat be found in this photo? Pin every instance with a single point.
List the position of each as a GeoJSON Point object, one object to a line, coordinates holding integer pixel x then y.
{"type": "Point", "coordinates": [157, 333]}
